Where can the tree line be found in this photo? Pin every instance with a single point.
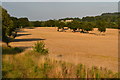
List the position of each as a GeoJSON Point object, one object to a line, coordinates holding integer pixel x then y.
{"type": "Point", "coordinates": [85, 24]}
{"type": "Point", "coordinates": [83, 27]}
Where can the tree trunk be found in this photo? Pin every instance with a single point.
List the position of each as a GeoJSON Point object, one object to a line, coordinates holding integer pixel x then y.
{"type": "Point", "coordinates": [8, 45]}
{"type": "Point", "coordinates": [78, 29]}
{"type": "Point", "coordinates": [73, 30]}
{"type": "Point", "coordinates": [57, 29]}
{"type": "Point", "coordinates": [82, 31]}
{"type": "Point", "coordinates": [62, 29]}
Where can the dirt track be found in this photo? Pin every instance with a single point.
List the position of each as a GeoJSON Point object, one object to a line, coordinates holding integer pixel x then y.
{"type": "Point", "coordinates": [89, 49]}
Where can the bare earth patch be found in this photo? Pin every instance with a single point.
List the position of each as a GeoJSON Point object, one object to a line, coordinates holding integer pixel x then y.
{"type": "Point", "coordinates": [89, 49]}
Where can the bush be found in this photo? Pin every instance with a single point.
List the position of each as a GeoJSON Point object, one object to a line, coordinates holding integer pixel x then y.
{"type": "Point", "coordinates": [39, 47]}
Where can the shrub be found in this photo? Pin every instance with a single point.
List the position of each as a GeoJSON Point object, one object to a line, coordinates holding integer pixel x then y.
{"type": "Point", "coordinates": [39, 47]}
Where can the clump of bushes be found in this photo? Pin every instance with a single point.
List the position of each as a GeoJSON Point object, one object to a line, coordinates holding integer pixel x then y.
{"type": "Point", "coordinates": [40, 48]}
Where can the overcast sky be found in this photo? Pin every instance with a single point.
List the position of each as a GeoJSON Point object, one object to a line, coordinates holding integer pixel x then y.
{"type": "Point", "coordinates": [57, 10]}
{"type": "Point", "coordinates": [59, 0]}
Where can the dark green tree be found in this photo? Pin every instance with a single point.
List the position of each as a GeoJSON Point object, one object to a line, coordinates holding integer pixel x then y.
{"type": "Point", "coordinates": [61, 25]}
{"type": "Point", "coordinates": [101, 26]}
{"type": "Point", "coordinates": [37, 23]}
{"type": "Point", "coordinates": [15, 22]}
{"type": "Point", "coordinates": [23, 22]}
{"type": "Point", "coordinates": [88, 19]}
{"type": "Point", "coordinates": [7, 27]}
{"type": "Point", "coordinates": [87, 26]}
{"type": "Point", "coordinates": [50, 23]}
{"type": "Point", "coordinates": [74, 25]}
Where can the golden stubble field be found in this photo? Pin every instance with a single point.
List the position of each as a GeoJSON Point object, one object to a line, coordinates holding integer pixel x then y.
{"type": "Point", "coordinates": [89, 49]}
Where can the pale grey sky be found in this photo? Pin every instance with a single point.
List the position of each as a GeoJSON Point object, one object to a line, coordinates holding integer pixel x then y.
{"type": "Point", "coordinates": [59, 0]}
{"type": "Point", "coordinates": [57, 10]}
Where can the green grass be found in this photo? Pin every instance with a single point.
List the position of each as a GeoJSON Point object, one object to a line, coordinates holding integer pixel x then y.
{"type": "Point", "coordinates": [35, 65]}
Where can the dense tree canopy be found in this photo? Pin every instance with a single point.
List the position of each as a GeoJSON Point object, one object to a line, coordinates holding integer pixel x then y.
{"type": "Point", "coordinates": [23, 22]}
{"type": "Point", "coordinates": [89, 19]}
{"type": "Point", "coordinates": [7, 26]}
{"type": "Point", "coordinates": [74, 25]}
{"type": "Point", "coordinates": [15, 22]}
{"type": "Point", "coordinates": [87, 26]}
{"type": "Point", "coordinates": [74, 19]}
{"type": "Point", "coordinates": [101, 26]}
{"type": "Point", "coordinates": [50, 23]}
{"type": "Point", "coordinates": [61, 25]}
{"type": "Point", "coordinates": [36, 23]}
{"type": "Point", "coordinates": [86, 23]}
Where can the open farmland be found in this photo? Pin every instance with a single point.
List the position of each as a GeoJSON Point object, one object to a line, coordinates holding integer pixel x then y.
{"type": "Point", "coordinates": [90, 49]}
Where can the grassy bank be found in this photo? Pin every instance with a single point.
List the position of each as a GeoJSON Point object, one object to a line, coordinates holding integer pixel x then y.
{"type": "Point", "coordinates": [34, 65]}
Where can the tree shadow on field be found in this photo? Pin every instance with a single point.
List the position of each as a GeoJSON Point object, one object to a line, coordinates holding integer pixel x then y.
{"type": "Point", "coordinates": [22, 34]}
{"type": "Point", "coordinates": [93, 33]}
{"type": "Point", "coordinates": [66, 28]}
{"type": "Point", "coordinates": [30, 27]}
{"type": "Point", "coordinates": [98, 34]}
{"type": "Point", "coordinates": [12, 50]}
{"type": "Point", "coordinates": [30, 39]}
{"type": "Point", "coordinates": [78, 31]}
{"type": "Point", "coordinates": [21, 31]}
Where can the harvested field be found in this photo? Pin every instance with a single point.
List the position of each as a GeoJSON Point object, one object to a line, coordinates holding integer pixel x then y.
{"type": "Point", "coordinates": [90, 49]}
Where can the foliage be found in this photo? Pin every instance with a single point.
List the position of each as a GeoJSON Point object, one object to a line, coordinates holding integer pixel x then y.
{"type": "Point", "coordinates": [73, 25]}
{"type": "Point", "coordinates": [37, 23]}
{"type": "Point", "coordinates": [15, 22]}
{"type": "Point", "coordinates": [39, 47]}
{"type": "Point", "coordinates": [89, 19]}
{"type": "Point", "coordinates": [57, 23]}
{"type": "Point", "coordinates": [111, 18]}
{"type": "Point", "coordinates": [87, 26]}
{"type": "Point", "coordinates": [23, 22]}
{"type": "Point", "coordinates": [74, 19]}
{"type": "Point", "coordinates": [7, 26]}
{"type": "Point", "coordinates": [60, 25]}
{"type": "Point", "coordinates": [50, 23]}
{"type": "Point", "coordinates": [101, 26]}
